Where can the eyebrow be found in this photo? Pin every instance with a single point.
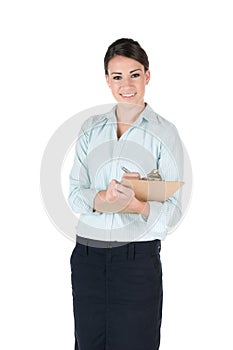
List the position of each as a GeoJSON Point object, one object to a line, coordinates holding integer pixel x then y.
{"type": "Point", "coordinates": [134, 70]}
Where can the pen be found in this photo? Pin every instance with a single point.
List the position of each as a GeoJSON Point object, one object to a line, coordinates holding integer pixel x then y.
{"type": "Point", "coordinates": [125, 169]}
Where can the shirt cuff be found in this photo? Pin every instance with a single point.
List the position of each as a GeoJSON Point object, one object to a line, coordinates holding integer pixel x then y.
{"type": "Point", "coordinates": [154, 214]}
{"type": "Point", "coordinates": [89, 196]}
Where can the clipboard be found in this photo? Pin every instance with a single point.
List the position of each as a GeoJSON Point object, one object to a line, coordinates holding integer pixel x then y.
{"type": "Point", "coordinates": [145, 190]}
{"type": "Point", "coordinates": [158, 191]}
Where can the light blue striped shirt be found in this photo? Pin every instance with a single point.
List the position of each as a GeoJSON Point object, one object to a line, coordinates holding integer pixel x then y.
{"type": "Point", "coordinates": [151, 142]}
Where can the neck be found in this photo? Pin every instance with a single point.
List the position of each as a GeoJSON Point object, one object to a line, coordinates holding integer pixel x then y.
{"type": "Point", "coordinates": [128, 112]}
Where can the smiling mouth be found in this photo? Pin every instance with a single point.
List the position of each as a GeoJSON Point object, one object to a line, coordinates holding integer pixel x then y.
{"type": "Point", "coordinates": [128, 95]}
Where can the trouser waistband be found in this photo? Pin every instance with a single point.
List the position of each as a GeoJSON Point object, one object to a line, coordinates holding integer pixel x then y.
{"type": "Point", "coordinates": [140, 246]}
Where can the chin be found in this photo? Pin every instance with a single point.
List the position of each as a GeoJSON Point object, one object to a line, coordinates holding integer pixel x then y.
{"type": "Point", "coordinates": [130, 100]}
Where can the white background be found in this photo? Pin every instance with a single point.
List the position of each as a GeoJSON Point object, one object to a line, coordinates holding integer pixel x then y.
{"type": "Point", "coordinates": [52, 68]}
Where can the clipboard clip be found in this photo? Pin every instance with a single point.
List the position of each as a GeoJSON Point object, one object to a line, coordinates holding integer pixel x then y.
{"type": "Point", "coordinates": [154, 175]}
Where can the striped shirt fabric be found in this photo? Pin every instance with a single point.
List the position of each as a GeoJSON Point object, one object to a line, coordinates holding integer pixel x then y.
{"type": "Point", "coordinates": [150, 142]}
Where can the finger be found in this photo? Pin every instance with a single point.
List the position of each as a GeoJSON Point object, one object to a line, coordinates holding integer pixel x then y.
{"type": "Point", "coordinates": [112, 193]}
{"type": "Point", "coordinates": [125, 190]}
{"type": "Point", "coordinates": [132, 175]}
{"type": "Point", "coordinates": [113, 182]}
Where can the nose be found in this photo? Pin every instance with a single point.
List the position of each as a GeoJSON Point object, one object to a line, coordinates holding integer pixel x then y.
{"type": "Point", "coordinates": [126, 81]}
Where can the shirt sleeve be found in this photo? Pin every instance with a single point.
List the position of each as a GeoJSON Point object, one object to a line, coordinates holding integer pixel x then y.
{"type": "Point", "coordinates": [164, 216]}
{"type": "Point", "coordinates": [81, 191]}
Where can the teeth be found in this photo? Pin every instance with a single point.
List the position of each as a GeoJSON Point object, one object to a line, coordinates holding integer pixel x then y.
{"type": "Point", "coordinates": [128, 95]}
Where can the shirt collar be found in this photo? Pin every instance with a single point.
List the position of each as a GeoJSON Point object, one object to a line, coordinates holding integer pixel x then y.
{"type": "Point", "coordinates": [147, 114]}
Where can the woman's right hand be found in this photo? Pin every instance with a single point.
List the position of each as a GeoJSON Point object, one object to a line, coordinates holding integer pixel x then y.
{"type": "Point", "coordinates": [114, 198]}
{"type": "Point", "coordinates": [111, 194]}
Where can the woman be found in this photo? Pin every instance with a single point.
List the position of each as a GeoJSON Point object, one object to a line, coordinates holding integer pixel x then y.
{"type": "Point", "coordinates": [116, 267]}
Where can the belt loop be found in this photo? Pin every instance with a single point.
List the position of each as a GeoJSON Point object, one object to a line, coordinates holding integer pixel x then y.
{"type": "Point", "coordinates": [83, 246]}
{"type": "Point", "coordinates": [155, 247]}
{"type": "Point", "coordinates": [159, 246]}
{"type": "Point", "coordinates": [131, 251]}
{"type": "Point", "coordinates": [86, 247]}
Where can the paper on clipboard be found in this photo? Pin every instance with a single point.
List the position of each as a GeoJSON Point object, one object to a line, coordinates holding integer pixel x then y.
{"type": "Point", "coordinates": [158, 191]}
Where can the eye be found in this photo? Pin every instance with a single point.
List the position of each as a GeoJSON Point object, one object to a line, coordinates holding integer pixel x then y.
{"type": "Point", "coordinates": [135, 75]}
{"type": "Point", "coordinates": [117, 77]}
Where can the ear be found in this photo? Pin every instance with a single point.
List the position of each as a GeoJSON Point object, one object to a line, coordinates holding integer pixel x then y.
{"type": "Point", "coordinates": [147, 74]}
{"type": "Point", "coordinates": [107, 80]}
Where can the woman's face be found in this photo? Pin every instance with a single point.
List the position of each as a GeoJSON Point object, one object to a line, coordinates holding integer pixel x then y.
{"type": "Point", "coordinates": [127, 80]}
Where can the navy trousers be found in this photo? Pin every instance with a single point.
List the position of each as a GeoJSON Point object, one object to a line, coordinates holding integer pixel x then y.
{"type": "Point", "coordinates": [117, 296]}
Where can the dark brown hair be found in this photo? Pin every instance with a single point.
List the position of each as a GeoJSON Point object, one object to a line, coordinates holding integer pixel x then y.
{"type": "Point", "coordinates": [127, 48]}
